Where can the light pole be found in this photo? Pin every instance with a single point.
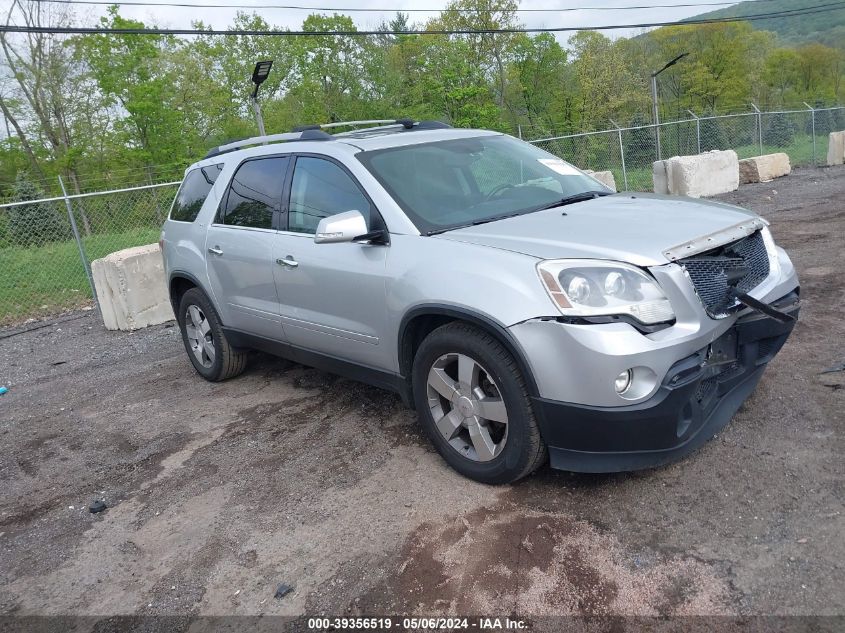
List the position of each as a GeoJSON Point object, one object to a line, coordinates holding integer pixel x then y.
{"type": "Point", "coordinates": [654, 114]}
{"type": "Point", "coordinates": [262, 70]}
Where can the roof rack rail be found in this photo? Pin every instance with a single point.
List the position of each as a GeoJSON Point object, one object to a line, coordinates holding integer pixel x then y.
{"type": "Point", "coordinates": [403, 122]}
{"type": "Point", "coordinates": [433, 125]}
{"type": "Point", "coordinates": [307, 134]}
{"type": "Point", "coordinates": [381, 124]}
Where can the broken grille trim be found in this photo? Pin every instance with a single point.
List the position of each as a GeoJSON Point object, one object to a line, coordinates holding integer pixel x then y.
{"type": "Point", "coordinates": [743, 265]}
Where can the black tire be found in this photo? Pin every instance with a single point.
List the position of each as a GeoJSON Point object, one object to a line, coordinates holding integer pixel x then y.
{"type": "Point", "coordinates": [228, 361]}
{"type": "Point", "coordinates": [524, 451]}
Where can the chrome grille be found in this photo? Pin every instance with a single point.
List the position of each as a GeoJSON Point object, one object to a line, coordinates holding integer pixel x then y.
{"type": "Point", "coordinates": [743, 264]}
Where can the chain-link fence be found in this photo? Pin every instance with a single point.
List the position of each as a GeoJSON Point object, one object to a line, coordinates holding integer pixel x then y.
{"type": "Point", "coordinates": [629, 152]}
{"type": "Point", "coordinates": [47, 245]}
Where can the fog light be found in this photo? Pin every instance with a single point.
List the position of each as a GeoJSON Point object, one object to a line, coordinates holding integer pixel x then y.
{"type": "Point", "coordinates": [623, 381]}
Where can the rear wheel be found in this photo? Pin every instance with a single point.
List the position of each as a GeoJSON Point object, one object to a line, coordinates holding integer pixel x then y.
{"type": "Point", "coordinates": [208, 349]}
{"type": "Point", "coordinates": [473, 403]}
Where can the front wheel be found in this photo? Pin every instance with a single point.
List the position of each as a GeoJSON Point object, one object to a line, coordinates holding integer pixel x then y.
{"type": "Point", "coordinates": [474, 405]}
{"type": "Point", "coordinates": [208, 348]}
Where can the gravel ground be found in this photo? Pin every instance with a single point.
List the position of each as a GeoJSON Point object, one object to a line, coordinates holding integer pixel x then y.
{"type": "Point", "coordinates": [217, 493]}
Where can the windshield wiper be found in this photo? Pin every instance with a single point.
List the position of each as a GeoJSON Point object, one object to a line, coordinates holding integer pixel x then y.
{"type": "Point", "coordinates": [581, 196]}
{"type": "Point", "coordinates": [495, 218]}
{"type": "Point", "coordinates": [475, 223]}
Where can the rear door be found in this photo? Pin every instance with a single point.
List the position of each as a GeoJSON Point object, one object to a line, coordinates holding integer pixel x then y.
{"type": "Point", "coordinates": [332, 296]}
{"type": "Point", "coordinates": [240, 245]}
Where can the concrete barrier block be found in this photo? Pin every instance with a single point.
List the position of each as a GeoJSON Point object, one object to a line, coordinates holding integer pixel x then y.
{"type": "Point", "coordinates": [706, 174]}
{"type": "Point", "coordinates": [660, 177]}
{"type": "Point", "coordinates": [763, 168]}
{"type": "Point", "coordinates": [131, 288]}
{"type": "Point", "coordinates": [836, 149]}
{"type": "Point", "coordinates": [604, 177]}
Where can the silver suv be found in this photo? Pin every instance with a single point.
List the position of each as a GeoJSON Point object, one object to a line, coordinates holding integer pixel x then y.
{"type": "Point", "coordinates": [524, 309]}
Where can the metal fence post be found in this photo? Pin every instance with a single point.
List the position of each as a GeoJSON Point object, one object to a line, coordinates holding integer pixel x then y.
{"type": "Point", "coordinates": [812, 128]}
{"type": "Point", "coordinates": [82, 256]}
{"type": "Point", "coordinates": [759, 126]}
{"type": "Point", "coordinates": [621, 153]}
{"type": "Point", "coordinates": [519, 129]}
{"type": "Point", "coordinates": [697, 129]}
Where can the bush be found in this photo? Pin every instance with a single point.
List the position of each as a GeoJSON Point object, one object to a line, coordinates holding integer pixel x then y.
{"type": "Point", "coordinates": [839, 116]}
{"type": "Point", "coordinates": [34, 224]}
{"type": "Point", "coordinates": [713, 135]}
{"type": "Point", "coordinates": [825, 120]}
{"type": "Point", "coordinates": [780, 131]}
{"type": "Point", "coordinates": [640, 148]}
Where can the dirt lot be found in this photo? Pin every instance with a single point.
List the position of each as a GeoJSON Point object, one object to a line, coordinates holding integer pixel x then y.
{"type": "Point", "coordinates": [218, 493]}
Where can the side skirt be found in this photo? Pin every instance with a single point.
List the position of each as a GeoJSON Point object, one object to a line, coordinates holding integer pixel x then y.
{"type": "Point", "coordinates": [361, 373]}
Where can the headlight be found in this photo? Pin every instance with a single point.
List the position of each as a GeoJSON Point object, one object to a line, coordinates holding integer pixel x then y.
{"type": "Point", "coordinates": [582, 288]}
{"type": "Point", "coordinates": [771, 250]}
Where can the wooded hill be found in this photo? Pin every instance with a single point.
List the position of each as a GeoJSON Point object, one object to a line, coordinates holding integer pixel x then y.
{"type": "Point", "coordinates": [826, 27]}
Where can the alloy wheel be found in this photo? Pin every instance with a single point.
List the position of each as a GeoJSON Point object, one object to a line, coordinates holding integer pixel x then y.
{"type": "Point", "coordinates": [200, 338]}
{"type": "Point", "coordinates": [467, 407]}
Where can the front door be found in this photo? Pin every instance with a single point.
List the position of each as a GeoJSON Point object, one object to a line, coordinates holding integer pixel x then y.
{"type": "Point", "coordinates": [332, 296]}
{"type": "Point", "coordinates": [240, 245]}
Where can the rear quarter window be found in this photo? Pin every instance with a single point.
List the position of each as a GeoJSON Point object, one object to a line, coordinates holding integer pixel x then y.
{"type": "Point", "coordinates": [193, 192]}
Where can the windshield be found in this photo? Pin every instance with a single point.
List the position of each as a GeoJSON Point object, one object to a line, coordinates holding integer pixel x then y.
{"type": "Point", "coordinates": [460, 182]}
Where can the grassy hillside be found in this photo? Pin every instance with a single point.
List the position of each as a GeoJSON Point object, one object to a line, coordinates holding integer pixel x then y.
{"type": "Point", "coordinates": [826, 27]}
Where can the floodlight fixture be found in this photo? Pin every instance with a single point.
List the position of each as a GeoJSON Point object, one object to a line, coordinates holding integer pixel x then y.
{"type": "Point", "coordinates": [261, 72]}
{"type": "Point", "coordinates": [671, 62]}
{"type": "Point", "coordinates": [259, 75]}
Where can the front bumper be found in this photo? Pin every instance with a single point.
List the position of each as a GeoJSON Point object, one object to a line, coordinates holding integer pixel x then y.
{"type": "Point", "coordinates": [697, 398]}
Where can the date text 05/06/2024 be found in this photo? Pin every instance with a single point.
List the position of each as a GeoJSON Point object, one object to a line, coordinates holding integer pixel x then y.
{"type": "Point", "coordinates": [401, 623]}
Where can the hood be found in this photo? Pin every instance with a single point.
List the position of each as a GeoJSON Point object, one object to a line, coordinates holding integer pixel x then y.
{"type": "Point", "coordinates": [636, 228]}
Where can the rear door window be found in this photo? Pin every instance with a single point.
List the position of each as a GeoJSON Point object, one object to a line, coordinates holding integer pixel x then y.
{"type": "Point", "coordinates": [193, 192]}
{"type": "Point", "coordinates": [255, 193]}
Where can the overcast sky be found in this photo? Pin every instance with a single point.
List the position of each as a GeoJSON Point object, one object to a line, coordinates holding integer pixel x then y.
{"type": "Point", "coordinates": [181, 17]}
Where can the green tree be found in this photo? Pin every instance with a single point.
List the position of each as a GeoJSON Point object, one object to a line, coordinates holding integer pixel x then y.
{"type": "Point", "coordinates": [329, 79]}
{"type": "Point", "coordinates": [722, 66]}
{"type": "Point", "coordinates": [536, 79]}
{"type": "Point", "coordinates": [819, 72]}
{"type": "Point", "coordinates": [226, 64]}
{"type": "Point", "coordinates": [713, 135]}
{"type": "Point", "coordinates": [33, 224]}
{"type": "Point", "coordinates": [136, 73]}
{"type": "Point", "coordinates": [603, 82]}
{"type": "Point", "coordinates": [640, 147]}
{"type": "Point", "coordinates": [46, 97]}
{"type": "Point", "coordinates": [781, 75]}
{"type": "Point", "coordinates": [489, 51]}
{"type": "Point", "coordinates": [779, 131]}
{"type": "Point", "coordinates": [454, 86]}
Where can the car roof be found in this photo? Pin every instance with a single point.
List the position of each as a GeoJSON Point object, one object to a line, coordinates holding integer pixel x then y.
{"type": "Point", "coordinates": [353, 142]}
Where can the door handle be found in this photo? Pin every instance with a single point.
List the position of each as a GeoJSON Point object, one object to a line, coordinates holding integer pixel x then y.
{"type": "Point", "coordinates": [288, 261]}
{"type": "Point", "coordinates": [215, 250]}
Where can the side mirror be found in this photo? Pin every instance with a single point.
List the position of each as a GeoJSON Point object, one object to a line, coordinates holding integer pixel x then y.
{"type": "Point", "coordinates": [343, 227]}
